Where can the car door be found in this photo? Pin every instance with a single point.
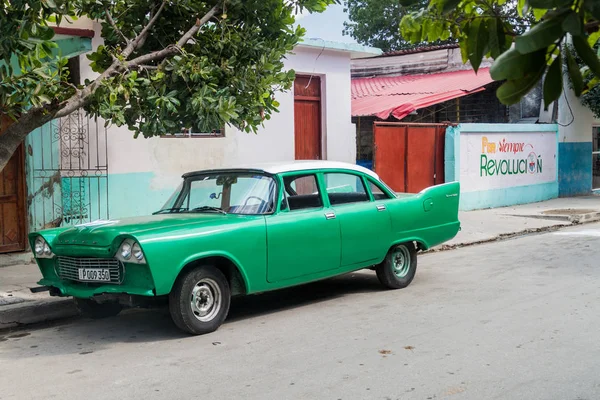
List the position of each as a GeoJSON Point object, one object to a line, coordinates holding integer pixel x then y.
{"type": "Point", "coordinates": [364, 223]}
{"type": "Point", "coordinates": [303, 238]}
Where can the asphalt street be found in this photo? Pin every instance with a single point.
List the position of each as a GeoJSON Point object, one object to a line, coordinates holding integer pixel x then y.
{"type": "Point", "coordinates": [517, 319]}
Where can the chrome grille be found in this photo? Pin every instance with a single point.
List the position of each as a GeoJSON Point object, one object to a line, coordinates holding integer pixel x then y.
{"type": "Point", "coordinates": [68, 268]}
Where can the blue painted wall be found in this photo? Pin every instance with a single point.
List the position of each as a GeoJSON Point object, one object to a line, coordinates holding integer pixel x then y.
{"type": "Point", "coordinates": [574, 168]}
{"type": "Point", "coordinates": [132, 194]}
{"type": "Point", "coordinates": [44, 191]}
{"type": "Point", "coordinates": [506, 196]}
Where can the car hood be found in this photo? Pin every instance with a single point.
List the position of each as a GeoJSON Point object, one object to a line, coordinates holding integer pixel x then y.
{"type": "Point", "coordinates": [104, 232]}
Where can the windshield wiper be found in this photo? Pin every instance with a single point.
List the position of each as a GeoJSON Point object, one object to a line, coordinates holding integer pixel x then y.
{"type": "Point", "coordinates": [170, 210]}
{"type": "Point", "coordinates": [208, 208]}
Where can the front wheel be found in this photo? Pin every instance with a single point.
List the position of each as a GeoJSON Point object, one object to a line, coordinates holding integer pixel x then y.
{"type": "Point", "coordinates": [199, 301]}
{"type": "Point", "coordinates": [399, 266]}
{"type": "Point", "coordinates": [91, 309]}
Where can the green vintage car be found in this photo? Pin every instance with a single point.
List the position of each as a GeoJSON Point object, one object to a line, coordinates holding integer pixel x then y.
{"type": "Point", "coordinates": [246, 230]}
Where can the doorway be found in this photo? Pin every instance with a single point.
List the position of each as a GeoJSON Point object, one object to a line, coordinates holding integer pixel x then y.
{"type": "Point", "coordinates": [596, 157]}
{"type": "Point", "coordinates": [307, 118]}
{"type": "Point", "coordinates": [12, 202]}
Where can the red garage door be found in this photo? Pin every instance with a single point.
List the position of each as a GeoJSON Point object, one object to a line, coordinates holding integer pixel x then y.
{"type": "Point", "coordinates": [409, 157]}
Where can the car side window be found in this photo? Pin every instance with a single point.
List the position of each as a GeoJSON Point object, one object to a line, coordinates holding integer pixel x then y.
{"type": "Point", "coordinates": [378, 193]}
{"type": "Point", "coordinates": [345, 188]}
{"type": "Point", "coordinates": [301, 192]}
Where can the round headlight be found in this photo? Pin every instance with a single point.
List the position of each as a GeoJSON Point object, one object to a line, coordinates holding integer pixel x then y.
{"type": "Point", "coordinates": [40, 243]}
{"type": "Point", "coordinates": [126, 251]}
{"type": "Point", "coordinates": [47, 250]}
{"type": "Point", "coordinates": [137, 252]}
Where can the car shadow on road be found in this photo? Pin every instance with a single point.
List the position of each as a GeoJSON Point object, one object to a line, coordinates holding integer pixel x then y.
{"type": "Point", "coordinates": [85, 336]}
{"type": "Point", "coordinates": [299, 296]}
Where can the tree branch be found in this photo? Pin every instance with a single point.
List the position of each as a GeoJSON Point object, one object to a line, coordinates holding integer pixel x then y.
{"type": "Point", "coordinates": [111, 21]}
{"type": "Point", "coordinates": [173, 49]}
{"type": "Point", "coordinates": [591, 26]}
{"type": "Point", "coordinates": [194, 29]}
{"type": "Point", "coordinates": [154, 56]}
{"type": "Point", "coordinates": [82, 97]}
{"type": "Point", "coordinates": [141, 38]}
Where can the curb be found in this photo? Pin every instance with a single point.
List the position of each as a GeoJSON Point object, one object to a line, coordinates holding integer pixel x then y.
{"type": "Point", "coordinates": [10, 260]}
{"type": "Point", "coordinates": [499, 238]}
{"type": "Point", "coordinates": [36, 311]}
{"type": "Point", "coordinates": [577, 219]}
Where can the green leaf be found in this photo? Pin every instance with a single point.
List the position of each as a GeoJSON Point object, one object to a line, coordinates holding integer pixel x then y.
{"type": "Point", "coordinates": [593, 6]}
{"type": "Point", "coordinates": [553, 82]}
{"type": "Point", "coordinates": [494, 44]}
{"type": "Point", "coordinates": [550, 3]}
{"type": "Point", "coordinates": [587, 54]}
{"type": "Point", "coordinates": [477, 39]}
{"type": "Point", "coordinates": [464, 53]}
{"type": "Point", "coordinates": [538, 13]}
{"type": "Point", "coordinates": [449, 5]}
{"type": "Point", "coordinates": [513, 65]}
{"type": "Point", "coordinates": [541, 35]}
{"type": "Point", "coordinates": [572, 24]}
{"type": "Point", "coordinates": [522, 7]}
{"type": "Point", "coordinates": [593, 39]}
{"type": "Point", "coordinates": [574, 73]}
{"type": "Point", "coordinates": [512, 91]}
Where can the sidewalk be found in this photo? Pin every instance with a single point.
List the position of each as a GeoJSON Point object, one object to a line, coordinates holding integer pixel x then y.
{"type": "Point", "coordinates": [18, 306]}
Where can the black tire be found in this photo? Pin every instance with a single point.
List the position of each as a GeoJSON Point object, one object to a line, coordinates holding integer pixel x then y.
{"type": "Point", "coordinates": [91, 309]}
{"type": "Point", "coordinates": [200, 287]}
{"type": "Point", "coordinates": [394, 276]}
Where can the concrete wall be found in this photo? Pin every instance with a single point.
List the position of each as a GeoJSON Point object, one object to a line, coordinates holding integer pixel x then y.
{"type": "Point", "coordinates": [144, 172]}
{"type": "Point", "coordinates": [502, 164]}
{"type": "Point", "coordinates": [575, 145]}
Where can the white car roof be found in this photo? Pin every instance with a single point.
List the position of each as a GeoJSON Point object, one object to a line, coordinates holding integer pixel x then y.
{"type": "Point", "coordinates": [301, 165]}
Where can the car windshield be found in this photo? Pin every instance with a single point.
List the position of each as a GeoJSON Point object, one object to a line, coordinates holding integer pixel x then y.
{"type": "Point", "coordinates": [225, 193]}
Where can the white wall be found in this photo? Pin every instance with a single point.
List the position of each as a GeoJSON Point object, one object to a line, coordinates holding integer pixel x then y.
{"type": "Point", "coordinates": [168, 158]}
{"type": "Point", "coordinates": [575, 120]}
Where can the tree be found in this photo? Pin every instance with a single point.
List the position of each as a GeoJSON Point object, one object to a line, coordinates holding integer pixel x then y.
{"type": "Point", "coordinates": [376, 23]}
{"type": "Point", "coordinates": [521, 59]}
{"type": "Point", "coordinates": [591, 97]}
{"type": "Point", "coordinates": [164, 65]}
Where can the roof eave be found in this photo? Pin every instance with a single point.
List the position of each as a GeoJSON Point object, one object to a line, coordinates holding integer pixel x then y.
{"type": "Point", "coordinates": [355, 50]}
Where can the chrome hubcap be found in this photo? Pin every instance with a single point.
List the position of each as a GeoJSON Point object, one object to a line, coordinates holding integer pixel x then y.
{"type": "Point", "coordinates": [206, 300]}
{"type": "Point", "coordinates": [401, 261]}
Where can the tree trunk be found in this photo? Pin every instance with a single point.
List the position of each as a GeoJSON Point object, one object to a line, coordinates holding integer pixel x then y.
{"type": "Point", "coordinates": [16, 133]}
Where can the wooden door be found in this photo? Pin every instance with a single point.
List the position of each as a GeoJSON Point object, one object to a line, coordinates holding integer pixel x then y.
{"type": "Point", "coordinates": [409, 157]}
{"type": "Point", "coordinates": [307, 118]}
{"type": "Point", "coordinates": [390, 155]}
{"type": "Point", "coordinates": [12, 203]}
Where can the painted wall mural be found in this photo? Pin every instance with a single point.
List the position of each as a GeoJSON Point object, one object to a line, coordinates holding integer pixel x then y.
{"type": "Point", "coordinates": [496, 160]}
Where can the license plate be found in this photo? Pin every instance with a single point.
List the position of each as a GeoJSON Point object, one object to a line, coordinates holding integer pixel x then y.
{"type": "Point", "coordinates": [94, 274]}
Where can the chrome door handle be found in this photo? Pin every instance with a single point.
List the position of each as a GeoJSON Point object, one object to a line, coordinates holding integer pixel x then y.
{"type": "Point", "coordinates": [330, 215]}
{"type": "Point", "coordinates": [380, 207]}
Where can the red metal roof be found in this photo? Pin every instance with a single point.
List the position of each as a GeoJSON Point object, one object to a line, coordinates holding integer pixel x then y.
{"type": "Point", "coordinates": [400, 95]}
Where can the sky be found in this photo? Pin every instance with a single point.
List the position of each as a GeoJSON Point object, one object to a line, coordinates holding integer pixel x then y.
{"type": "Point", "coordinates": [327, 25]}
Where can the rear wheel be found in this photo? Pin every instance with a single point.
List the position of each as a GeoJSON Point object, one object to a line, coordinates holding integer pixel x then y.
{"type": "Point", "coordinates": [200, 299]}
{"type": "Point", "coordinates": [399, 266]}
{"type": "Point", "coordinates": [91, 309]}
